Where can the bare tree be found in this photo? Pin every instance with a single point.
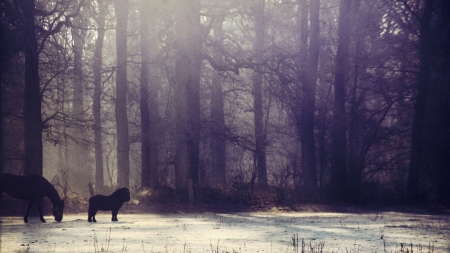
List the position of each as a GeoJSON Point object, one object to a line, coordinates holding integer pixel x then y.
{"type": "Point", "coordinates": [218, 140]}
{"type": "Point", "coordinates": [97, 69]}
{"type": "Point", "coordinates": [3, 51]}
{"type": "Point", "coordinates": [148, 101]}
{"type": "Point", "coordinates": [421, 101]}
{"type": "Point", "coordinates": [339, 132]}
{"type": "Point", "coordinates": [32, 103]}
{"type": "Point", "coordinates": [187, 96]}
{"type": "Point", "coordinates": [32, 107]}
{"type": "Point", "coordinates": [79, 152]}
{"type": "Point", "coordinates": [260, 133]}
{"type": "Point", "coordinates": [309, 61]}
{"type": "Point", "coordinates": [146, 170]}
{"type": "Point", "coordinates": [123, 143]}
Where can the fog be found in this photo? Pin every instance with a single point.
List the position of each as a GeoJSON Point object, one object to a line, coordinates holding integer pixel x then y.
{"type": "Point", "coordinates": [258, 103]}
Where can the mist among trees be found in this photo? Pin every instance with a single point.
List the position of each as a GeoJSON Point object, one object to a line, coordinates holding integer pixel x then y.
{"type": "Point", "coordinates": [254, 101]}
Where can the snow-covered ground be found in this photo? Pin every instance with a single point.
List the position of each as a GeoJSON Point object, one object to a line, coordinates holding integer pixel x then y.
{"type": "Point", "coordinates": [239, 232]}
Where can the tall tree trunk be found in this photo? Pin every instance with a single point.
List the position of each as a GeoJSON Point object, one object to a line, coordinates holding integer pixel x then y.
{"type": "Point", "coordinates": [415, 165]}
{"type": "Point", "coordinates": [309, 79]}
{"type": "Point", "coordinates": [32, 99]}
{"type": "Point", "coordinates": [81, 172]}
{"type": "Point", "coordinates": [354, 163]}
{"type": "Point", "coordinates": [354, 173]}
{"type": "Point", "coordinates": [339, 138]}
{"type": "Point", "coordinates": [97, 69]}
{"type": "Point", "coordinates": [260, 134]}
{"type": "Point", "coordinates": [148, 99]}
{"type": "Point", "coordinates": [123, 144]}
{"type": "Point", "coordinates": [218, 141]}
{"type": "Point", "coordinates": [298, 102]}
{"type": "Point", "coordinates": [187, 94]}
{"type": "Point", "coordinates": [146, 170]}
{"type": "Point", "coordinates": [153, 104]}
{"type": "Point", "coordinates": [63, 147]}
{"type": "Point", "coordinates": [2, 62]}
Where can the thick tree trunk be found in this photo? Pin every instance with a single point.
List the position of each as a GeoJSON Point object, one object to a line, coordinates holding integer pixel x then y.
{"type": "Point", "coordinates": [187, 95]}
{"type": "Point", "coordinates": [298, 102]}
{"type": "Point", "coordinates": [153, 104]}
{"type": "Point", "coordinates": [415, 166]}
{"type": "Point", "coordinates": [63, 147]}
{"type": "Point", "coordinates": [354, 170]}
{"type": "Point", "coordinates": [354, 162]}
{"type": "Point", "coordinates": [218, 141]}
{"type": "Point", "coordinates": [309, 72]}
{"type": "Point", "coordinates": [2, 139]}
{"type": "Point", "coordinates": [97, 69]}
{"type": "Point", "coordinates": [339, 138]}
{"type": "Point", "coordinates": [148, 99]}
{"type": "Point", "coordinates": [146, 170]}
{"type": "Point", "coordinates": [32, 99]}
{"type": "Point", "coordinates": [123, 144]}
{"type": "Point", "coordinates": [79, 153]}
{"type": "Point", "coordinates": [260, 134]}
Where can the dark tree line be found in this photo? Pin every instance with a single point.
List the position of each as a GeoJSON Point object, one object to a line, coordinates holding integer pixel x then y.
{"type": "Point", "coordinates": [341, 100]}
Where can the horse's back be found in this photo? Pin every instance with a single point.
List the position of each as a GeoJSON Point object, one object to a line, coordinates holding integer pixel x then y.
{"type": "Point", "coordinates": [101, 202]}
{"type": "Point", "coordinates": [21, 187]}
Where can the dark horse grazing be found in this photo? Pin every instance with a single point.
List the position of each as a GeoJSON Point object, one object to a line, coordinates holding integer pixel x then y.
{"type": "Point", "coordinates": [33, 188]}
{"type": "Point", "coordinates": [112, 203]}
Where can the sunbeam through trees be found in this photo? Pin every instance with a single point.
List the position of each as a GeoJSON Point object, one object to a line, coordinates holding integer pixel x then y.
{"type": "Point", "coordinates": [253, 101]}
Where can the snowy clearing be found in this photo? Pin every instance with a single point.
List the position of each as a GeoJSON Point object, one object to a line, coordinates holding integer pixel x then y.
{"type": "Point", "coordinates": [239, 232]}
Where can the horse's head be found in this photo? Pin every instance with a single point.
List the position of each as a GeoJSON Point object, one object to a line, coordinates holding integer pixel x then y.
{"type": "Point", "coordinates": [58, 211]}
{"type": "Point", "coordinates": [123, 194]}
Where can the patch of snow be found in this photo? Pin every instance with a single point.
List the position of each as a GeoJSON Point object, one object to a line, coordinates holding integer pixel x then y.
{"type": "Point", "coordinates": [238, 232]}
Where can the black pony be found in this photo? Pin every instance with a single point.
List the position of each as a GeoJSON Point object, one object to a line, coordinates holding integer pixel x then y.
{"type": "Point", "coordinates": [112, 203]}
{"type": "Point", "coordinates": [32, 188]}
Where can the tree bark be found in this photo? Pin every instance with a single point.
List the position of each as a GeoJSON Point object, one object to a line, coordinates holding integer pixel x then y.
{"type": "Point", "coordinates": [80, 170]}
{"type": "Point", "coordinates": [153, 104]}
{"type": "Point", "coordinates": [309, 73]}
{"type": "Point", "coordinates": [32, 99]}
{"type": "Point", "coordinates": [355, 164]}
{"type": "Point", "coordinates": [2, 62]}
{"type": "Point", "coordinates": [260, 134]}
{"type": "Point", "coordinates": [187, 95]}
{"type": "Point", "coordinates": [339, 138]}
{"type": "Point", "coordinates": [148, 99]}
{"type": "Point", "coordinates": [97, 69]}
{"type": "Point", "coordinates": [146, 174]}
{"type": "Point", "coordinates": [218, 141]}
{"type": "Point", "coordinates": [123, 144]}
{"type": "Point", "coordinates": [415, 166]}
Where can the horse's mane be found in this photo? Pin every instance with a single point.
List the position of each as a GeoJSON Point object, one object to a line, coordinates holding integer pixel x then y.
{"type": "Point", "coordinates": [51, 193]}
{"type": "Point", "coordinates": [119, 191]}
{"type": "Point", "coordinates": [121, 194]}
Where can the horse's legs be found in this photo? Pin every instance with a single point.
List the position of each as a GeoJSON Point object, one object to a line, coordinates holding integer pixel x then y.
{"type": "Point", "coordinates": [39, 207]}
{"type": "Point", "coordinates": [91, 214]}
{"type": "Point", "coordinates": [29, 205]}
{"type": "Point", "coordinates": [114, 215]}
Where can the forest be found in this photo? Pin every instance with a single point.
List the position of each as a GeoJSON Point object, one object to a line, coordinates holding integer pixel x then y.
{"type": "Point", "coordinates": [241, 101]}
